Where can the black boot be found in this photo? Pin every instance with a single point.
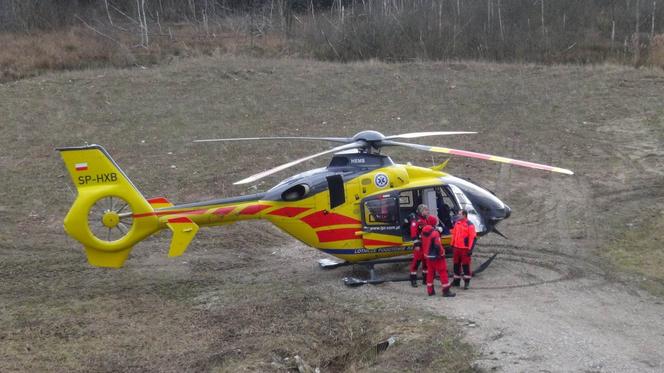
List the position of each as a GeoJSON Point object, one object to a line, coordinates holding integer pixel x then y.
{"type": "Point", "coordinates": [448, 294]}
{"type": "Point", "coordinates": [431, 291]}
{"type": "Point", "coordinates": [424, 278]}
{"type": "Point", "coordinates": [457, 272]}
{"type": "Point", "coordinates": [413, 280]}
{"type": "Point", "coordinates": [466, 276]}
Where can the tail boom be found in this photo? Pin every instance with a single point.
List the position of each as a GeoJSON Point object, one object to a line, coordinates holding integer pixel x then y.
{"type": "Point", "coordinates": [110, 215]}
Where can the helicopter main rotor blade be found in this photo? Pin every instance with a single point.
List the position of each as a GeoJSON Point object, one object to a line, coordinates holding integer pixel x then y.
{"type": "Point", "coordinates": [414, 135]}
{"type": "Point", "coordinates": [331, 139]}
{"type": "Point", "coordinates": [487, 157]}
{"type": "Point", "coordinates": [260, 175]}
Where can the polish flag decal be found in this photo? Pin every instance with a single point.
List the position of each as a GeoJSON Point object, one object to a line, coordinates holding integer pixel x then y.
{"type": "Point", "coordinates": [81, 166]}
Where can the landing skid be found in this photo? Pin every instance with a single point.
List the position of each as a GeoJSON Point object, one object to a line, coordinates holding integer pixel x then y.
{"type": "Point", "coordinates": [375, 279]}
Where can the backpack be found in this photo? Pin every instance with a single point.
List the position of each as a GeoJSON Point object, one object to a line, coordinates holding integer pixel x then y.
{"type": "Point", "coordinates": [435, 250]}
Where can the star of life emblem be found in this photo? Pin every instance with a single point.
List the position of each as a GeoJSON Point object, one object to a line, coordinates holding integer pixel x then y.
{"type": "Point", "coordinates": [381, 180]}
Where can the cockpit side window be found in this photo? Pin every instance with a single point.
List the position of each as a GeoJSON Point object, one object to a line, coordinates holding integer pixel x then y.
{"type": "Point", "coordinates": [381, 211]}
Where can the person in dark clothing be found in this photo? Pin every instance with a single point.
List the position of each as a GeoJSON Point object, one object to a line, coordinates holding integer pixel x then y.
{"type": "Point", "coordinates": [444, 213]}
{"type": "Point", "coordinates": [434, 253]}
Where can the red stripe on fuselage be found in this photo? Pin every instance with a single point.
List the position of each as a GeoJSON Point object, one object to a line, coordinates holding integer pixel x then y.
{"type": "Point", "coordinates": [223, 211]}
{"type": "Point", "coordinates": [333, 235]}
{"type": "Point", "coordinates": [169, 212]}
{"type": "Point", "coordinates": [253, 209]}
{"type": "Point", "coordinates": [249, 210]}
{"type": "Point", "coordinates": [289, 211]}
{"type": "Point", "coordinates": [182, 219]}
{"type": "Point", "coordinates": [321, 219]}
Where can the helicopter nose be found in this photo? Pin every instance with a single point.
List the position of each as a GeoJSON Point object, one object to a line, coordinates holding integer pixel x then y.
{"type": "Point", "coordinates": [508, 212]}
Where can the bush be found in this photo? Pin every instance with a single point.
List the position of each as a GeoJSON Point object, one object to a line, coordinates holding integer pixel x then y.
{"type": "Point", "coordinates": [656, 51]}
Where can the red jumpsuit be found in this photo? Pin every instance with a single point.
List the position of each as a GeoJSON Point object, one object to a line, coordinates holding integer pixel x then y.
{"type": "Point", "coordinates": [416, 226]}
{"type": "Point", "coordinates": [463, 238]}
{"type": "Point", "coordinates": [430, 237]}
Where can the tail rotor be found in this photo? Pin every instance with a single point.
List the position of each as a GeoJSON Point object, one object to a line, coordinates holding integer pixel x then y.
{"type": "Point", "coordinates": [109, 215]}
{"type": "Point", "coordinates": [110, 219]}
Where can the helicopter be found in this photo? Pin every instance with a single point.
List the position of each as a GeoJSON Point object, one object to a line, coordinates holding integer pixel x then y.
{"type": "Point", "coordinates": [355, 209]}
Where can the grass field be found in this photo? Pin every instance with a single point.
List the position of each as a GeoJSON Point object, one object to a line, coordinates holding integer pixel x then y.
{"type": "Point", "coordinates": [228, 305]}
{"type": "Point", "coordinates": [238, 298]}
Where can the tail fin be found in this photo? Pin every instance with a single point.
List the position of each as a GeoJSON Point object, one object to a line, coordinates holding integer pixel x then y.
{"type": "Point", "coordinates": [109, 215]}
{"type": "Point", "coordinates": [440, 167]}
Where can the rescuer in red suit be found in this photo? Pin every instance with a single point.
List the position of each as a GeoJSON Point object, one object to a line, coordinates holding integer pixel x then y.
{"type": "Point", "coordinates": [417, 222]}
{"type": "Point", "coordinates": [463, 239]}
{"type": "Point", "coordinates": [434, 253]}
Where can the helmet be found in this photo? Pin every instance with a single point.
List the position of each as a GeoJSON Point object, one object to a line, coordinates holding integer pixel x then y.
{"type": "Point", "coordinates": [421, 208]}
{"type": "Point", "coordinates": [432, 220]}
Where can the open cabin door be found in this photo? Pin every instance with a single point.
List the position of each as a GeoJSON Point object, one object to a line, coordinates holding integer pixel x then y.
{"type": "Point", "coordinates": [381, 223]}
{"type": "Point", "coordinates": [438, 199]}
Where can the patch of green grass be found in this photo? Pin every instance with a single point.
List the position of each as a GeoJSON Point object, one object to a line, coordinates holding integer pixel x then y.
{"type": "Point", "coordinates": [440, 349]}
{"type": "Point", "coordinates": [640, 253]}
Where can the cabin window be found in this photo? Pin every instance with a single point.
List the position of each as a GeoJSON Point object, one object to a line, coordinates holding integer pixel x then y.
{"type": "Point", "coordinates": [406, 199]}
{"type": "Point", "coordinates": [381, 211]}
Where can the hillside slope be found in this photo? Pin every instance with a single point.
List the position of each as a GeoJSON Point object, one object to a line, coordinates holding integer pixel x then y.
{"type": "Point", "coordinates": [241, 296]}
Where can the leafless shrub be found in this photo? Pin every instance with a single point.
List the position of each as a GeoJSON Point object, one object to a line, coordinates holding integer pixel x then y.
{"type": "Point", "coordinates": [541, 31]}
{"type": "Point", "coordinates": [561, 31]}
{"type": "Point", "coordinates": [656, 51]}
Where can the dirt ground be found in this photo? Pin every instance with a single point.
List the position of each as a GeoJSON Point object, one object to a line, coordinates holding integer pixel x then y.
{"type": "Point", "coordinates": [559, 297]}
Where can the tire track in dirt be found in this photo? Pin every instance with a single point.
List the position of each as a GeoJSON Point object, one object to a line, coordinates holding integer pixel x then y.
{"type": "Point", "coordinates": [540, 308]}
{"type": "Point", "coordinates": [532, 261]}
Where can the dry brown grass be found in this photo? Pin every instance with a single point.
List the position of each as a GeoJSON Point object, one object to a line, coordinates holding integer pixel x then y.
{"type": "Point", "coordinates": [24, 55]}
{"type": "Point", "coordinates": [27, 54]}
{"type": "Point", "coordinates": [195, 312]}
{"type": "Point", "coordinates": [215, 312]}
{"type": "Point", "coordinates": [99, 45]}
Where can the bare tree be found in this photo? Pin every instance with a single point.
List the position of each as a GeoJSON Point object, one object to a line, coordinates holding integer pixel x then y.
{"type": "Point", "coordinates": [108, 13]}
{"type": "Point", "coordinates": [142, 23]}
{"type": "Point", "coordinates": [652, 19]}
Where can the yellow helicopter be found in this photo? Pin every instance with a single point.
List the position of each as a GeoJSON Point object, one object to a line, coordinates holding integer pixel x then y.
{"type": "Point", "coordinates": [355, 209]}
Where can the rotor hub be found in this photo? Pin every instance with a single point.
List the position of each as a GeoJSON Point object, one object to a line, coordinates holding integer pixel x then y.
{"type": "Point", "coordinates": [371, 140]}
{"type": "Point", "coordinates": [369, 136]}
{"type": "Point", "coordinates": [110, 219]}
